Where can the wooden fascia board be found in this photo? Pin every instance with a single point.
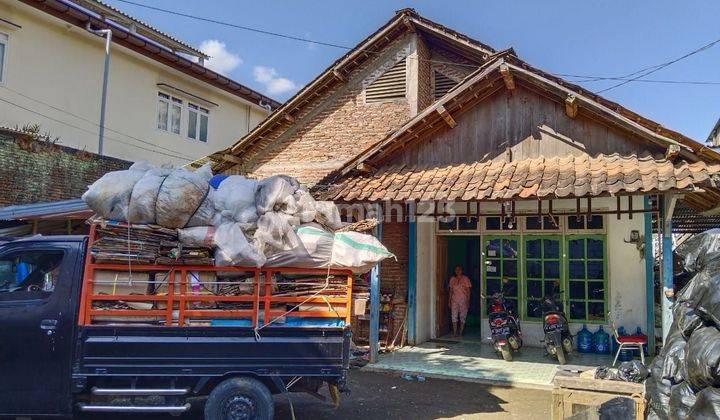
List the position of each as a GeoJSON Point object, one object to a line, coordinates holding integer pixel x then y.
{"type": "Point", "coordinates": [450, 37]}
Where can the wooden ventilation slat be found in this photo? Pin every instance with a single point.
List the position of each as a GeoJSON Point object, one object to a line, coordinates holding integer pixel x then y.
{"type": "Point", "coordinates": [442, 85]}
{"type": "Point", "coordinates": [389, 86]}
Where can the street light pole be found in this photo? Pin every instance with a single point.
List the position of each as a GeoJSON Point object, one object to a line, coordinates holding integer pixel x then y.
{"type": "Point", "coordinates": [107, 34]}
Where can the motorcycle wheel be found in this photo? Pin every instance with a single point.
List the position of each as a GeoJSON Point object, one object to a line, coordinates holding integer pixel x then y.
{"type": "Point", "coordinates": [560, 355]}
{"type": "Point", "coordinates": [506, 353]}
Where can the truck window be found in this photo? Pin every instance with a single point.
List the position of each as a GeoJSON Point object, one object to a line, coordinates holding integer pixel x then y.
{"type": "Point", "coordinates": [29, 275]}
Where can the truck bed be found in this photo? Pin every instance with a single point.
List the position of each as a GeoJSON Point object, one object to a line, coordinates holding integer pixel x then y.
{"type": "Point", "coordinates": [211, 351]}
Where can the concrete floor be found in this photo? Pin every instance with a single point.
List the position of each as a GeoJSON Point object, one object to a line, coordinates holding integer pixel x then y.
{"type": "Point", "coordinates": [469, 359]}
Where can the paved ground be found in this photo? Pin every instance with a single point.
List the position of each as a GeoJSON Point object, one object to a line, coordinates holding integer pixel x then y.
{"type": "Point", "coordinates": [384, 396]}
{"type": "Point", "coordinates": [477, 361]}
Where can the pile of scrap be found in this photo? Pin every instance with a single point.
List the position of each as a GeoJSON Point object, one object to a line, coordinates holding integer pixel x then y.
{"type": "Point", "coordinates": [685, 381]}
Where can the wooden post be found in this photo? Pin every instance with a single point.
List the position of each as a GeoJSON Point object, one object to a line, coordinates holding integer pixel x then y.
{"type": "Point", "coordinates": [375, 299]}
{"type": "Point", "coordinates": [667, 297]}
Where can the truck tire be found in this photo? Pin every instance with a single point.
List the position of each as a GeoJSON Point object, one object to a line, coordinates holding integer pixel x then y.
{"type": "Point", "coordinates": [238, 399]}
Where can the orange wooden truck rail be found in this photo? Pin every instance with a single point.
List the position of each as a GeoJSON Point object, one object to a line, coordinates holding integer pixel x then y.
{"type": "Point", "coordinates": [180, 300]}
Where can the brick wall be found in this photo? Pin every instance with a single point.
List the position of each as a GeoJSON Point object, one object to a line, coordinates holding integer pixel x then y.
{"type": "Point", "coordinates": [331, 129]}
{"type": "Point", "coordinates": [34, 171]}
{"type": "Point", "coordinates": [425, 75]}
{"type": "Point", "coordinates": [394, 274]}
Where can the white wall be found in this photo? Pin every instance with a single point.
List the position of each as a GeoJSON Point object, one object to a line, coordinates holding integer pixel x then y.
{"type": "Point", "coordinates": [61, 66]}
{"type": "Point", "coordinates": [626, 270]}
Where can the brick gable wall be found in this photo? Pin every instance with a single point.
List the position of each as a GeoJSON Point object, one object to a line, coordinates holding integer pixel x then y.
{"type": "Point", "coordinates": [332, 129]}
{"type": "Point", "coordinates": [33, 171]}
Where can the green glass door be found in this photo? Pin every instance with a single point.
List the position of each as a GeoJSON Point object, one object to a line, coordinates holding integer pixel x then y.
{"type": "Point", "coordinates": [501, 258]}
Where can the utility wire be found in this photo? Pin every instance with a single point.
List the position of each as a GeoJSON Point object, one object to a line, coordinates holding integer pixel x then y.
{"type": "Point", "coordinates": [88, 131]}
{"type": "Point", "coordinates": [586, 79]}
{"type": "Point", "coordinates": [91, 121]}
{"type": "Point", "coordinates": [635, 76]}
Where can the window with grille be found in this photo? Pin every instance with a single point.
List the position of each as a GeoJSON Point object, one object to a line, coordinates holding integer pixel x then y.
{"type": "Point", "coordinates": [388, 87]}
{"type": "Point", "coordinates": [442, 85]}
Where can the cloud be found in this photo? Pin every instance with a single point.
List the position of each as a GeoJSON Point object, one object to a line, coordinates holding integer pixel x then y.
{"type": "Point", "coordinates": [274, 84]}
{"type": "Point", "coordinates": [221, 60]}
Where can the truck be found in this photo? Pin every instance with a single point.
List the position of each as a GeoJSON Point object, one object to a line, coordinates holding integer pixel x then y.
{"type": "Point", "coordinates": [61, 352]}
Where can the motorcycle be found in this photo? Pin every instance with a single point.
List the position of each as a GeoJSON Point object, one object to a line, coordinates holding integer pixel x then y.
{"type": "Point", "coordinates": [558, 340]}
{"type": "Point", "coordinates": [505, 331]}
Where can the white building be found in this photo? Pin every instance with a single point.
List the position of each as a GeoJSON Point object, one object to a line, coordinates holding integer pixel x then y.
{"type": "Point", "coordinates": [163, 105]}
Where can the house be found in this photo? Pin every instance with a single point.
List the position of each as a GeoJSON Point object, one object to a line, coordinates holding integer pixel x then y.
{"type": "Point", "coordinates": [474, 157]}
{"type": "Point", "coordinates": [163, 104]}
{"type": "Point", "coordinates": [713, 139]}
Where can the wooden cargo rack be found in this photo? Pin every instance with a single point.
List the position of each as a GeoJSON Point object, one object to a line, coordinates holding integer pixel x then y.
{"type": "Point", "coordinates": [263, 306]}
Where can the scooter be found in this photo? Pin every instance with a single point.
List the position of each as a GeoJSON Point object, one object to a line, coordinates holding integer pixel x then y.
{"type": "Point", "coordinates": [558, 340]}
{"type": "Point", "coordinates": [505, 331]}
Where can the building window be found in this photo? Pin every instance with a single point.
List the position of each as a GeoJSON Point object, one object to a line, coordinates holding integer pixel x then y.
{"type": "Point", "coordinates": [198, 119]}
{"type": "Point", "coordinates": [587, 277]}
{"type": "Point", "coordinates": [388, 87]}
{"type": "Point", "coordinates": [501, 261]}
{"type": "Point", "coordinates": [500, 223]}
{"type": "Point", "coordinates": [3, 56]}
{"type": "Point", "coordinates": [582, 222]}
{"type": "Point", "coordinates": [169, 113]}
{"type": "Point", "coordinates": [442, 85]}
{"type": "Point", "coordinates": [544, 223]}
{"type": "Point", "coordinates": [542, 271]}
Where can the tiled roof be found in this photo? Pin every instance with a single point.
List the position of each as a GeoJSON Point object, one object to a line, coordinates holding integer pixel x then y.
{"type": "Point", "coordinates": [568, 176]}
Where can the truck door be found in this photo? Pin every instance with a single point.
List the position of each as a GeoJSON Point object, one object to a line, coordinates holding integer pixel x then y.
{"type": "Point", "coordinates": [37, 326]}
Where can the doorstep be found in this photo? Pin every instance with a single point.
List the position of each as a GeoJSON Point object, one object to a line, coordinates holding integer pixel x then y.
{"type": "Point", "coordinates": [477, 362]}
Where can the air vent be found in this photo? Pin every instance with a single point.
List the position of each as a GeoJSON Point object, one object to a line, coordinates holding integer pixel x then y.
{"type": "Point", "coordinates": [442, 85]}
{"type": "Point", "coordinates": [389, 86]}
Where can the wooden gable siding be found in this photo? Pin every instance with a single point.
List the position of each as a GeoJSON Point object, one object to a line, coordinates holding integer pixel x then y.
{"type": "Point", "coordinates": [527, 123]}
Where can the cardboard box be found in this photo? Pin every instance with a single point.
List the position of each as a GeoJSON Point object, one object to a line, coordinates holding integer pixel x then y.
{"type": "Point", "coordinates": [359, 306]}
{"type": "Point", "coordinates": [120, 283]}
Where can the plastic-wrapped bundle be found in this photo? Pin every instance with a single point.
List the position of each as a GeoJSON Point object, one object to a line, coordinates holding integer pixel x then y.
{"type": "Point", "coordinates": [682, 399]}
{"type": "Point", "coordinates": [672, 357]}
{"type": "Point", "coordinates": [231, 245]}
{"type": "Point", "coordinates": [306, 211]}
{"type": "Point", "coordinates": [235, 199]}
{"type": "Point", "coordinates": [658, 390]}
{"type": "Point", "coordinates": [273, 192]}
{"type": "Point", "coordinates": [698, 250]}
{"type": "Point", "coordinates": [633, 371]}
{"type": "Point", "coordinates": [109, 196]}
{"type": "Point", "coordinates": [707, 405]}
{"type": "Point", "coordinates": [358, 250]}
{"type": "Point", "coordinates": [686, 318]}
{"type": "Point", "coordinates": [275, 232]}
{"type": "Point", "coordinates": [328, 215]}
{"type": "Point", "coordinates": [702, 358]}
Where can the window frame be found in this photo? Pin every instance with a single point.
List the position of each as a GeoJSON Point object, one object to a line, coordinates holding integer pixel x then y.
{"type": "Point", "coordinates": [199, 111]}
{"type": "Point", "coordinates": [6, 47]}
{"type": "Point", "coordinates": [525, 278]}
{"type": "Point", "coordinates": [40, 299]}
{"type": "Point", "coordinates": [606, 283]}
{"type": "Point", "coordinates": [485, 239]}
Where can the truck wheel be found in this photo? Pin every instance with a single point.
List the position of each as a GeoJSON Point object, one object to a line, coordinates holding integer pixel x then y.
{"type": "Point", "coordinates": [239, 399]}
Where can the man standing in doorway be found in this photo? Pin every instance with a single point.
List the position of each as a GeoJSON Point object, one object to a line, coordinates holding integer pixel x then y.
{"type": "Point", "coordinates": [459, 299]}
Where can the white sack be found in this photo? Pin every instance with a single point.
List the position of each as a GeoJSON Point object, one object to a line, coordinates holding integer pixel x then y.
{"type": "Point", "coordinates": [275, 232]}
{"type": "Point", "coordinates": [109, 196]}
{"type": "Point", "coordinates": [328, 215]}
{"type": "Point", "coordinates": [358, 250]}
{"type": "Point", "coordinates": [144, 196]}
{"type": "Point", "coordinates": [305, 206]}
{"type": "Point", "coordinates": [273, 192]}
{"type": "Point", "coordinates": [185, 199]}
{"type": "Point", "coordinates": [235, 199]}
{"type": "Point", "coordinates": [231, 245]}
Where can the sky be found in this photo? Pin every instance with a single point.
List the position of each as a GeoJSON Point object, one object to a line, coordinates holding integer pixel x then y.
{"type": "Point", "coordinates": [594, 38]}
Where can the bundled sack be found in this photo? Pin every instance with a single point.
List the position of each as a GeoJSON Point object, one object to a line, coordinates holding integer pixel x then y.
{"type": "Point", "coordinates": [144, 196]}
{"type": "Point", "coordinates": [682, 400]}
{"type": "Point", "coordinates": [275, 232]}
{"type": "Point", "coordinates": [707, 405]}
{"type": "Point", "coordinates": [702, 358]}
{"type": "Point", "coordinates": [328, 215]}
{"type": "Point", "coordinates": [698, 250]}
{"type": "Point", "coordinates": [275, 193]}
{"type": "Point", "coordinates": [110, 195]}
{"type": "Point", "coordinates": [231, 245]}
{"type": "Point", "coordinates": [306, 210]}
{"type": "Point", "coordinates": [185, 199]}
{"type": "Point", "coordinates": [314, 251]}
{"type": "Point", "coordinates": [672, 357]}
{"type": "Point", "coordinates": [235, 199]}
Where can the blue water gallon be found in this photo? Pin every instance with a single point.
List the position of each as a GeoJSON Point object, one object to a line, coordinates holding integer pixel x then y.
{"type": "Point", "coordinates": [584, 340]}
{"type": "Point", "coordinates": [601, 341]}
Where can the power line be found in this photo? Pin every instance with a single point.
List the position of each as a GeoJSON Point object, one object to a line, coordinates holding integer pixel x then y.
{"type": "Point", "coordinates": [627, 78]}
{"type": "Point", "coordinates": [587, 79]}
{"type": "Point", "coordinates": [88, 131]}
{"type": "Point", "coordinates": [91, 121]}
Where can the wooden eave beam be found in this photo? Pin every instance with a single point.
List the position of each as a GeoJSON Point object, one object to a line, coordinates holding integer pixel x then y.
{"type": "Point", "coordinates": [571, 106]}
{"type": "Point", "coordinates": [227, 157]}
{"type": "Point", "coordinates": [365, 168]}
{"type": "Point", "coordinates": [507, 76]}
{"type": "Point", "coordinates": [446, 116]}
